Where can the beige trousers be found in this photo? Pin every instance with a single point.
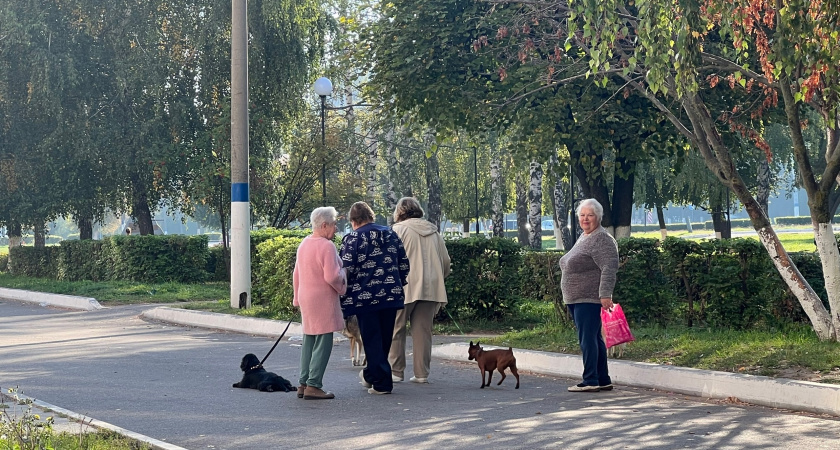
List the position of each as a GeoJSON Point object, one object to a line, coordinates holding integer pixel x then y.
{"type": "Point", "coordinates": [420, 314]}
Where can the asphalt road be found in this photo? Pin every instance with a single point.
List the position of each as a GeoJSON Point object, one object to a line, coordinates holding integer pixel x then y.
{"type": "Point", "coordinates": [174, 384]}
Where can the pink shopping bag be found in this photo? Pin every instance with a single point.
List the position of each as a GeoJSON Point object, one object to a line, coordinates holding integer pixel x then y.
{"type": "Point", "coordinates": [616, 329]}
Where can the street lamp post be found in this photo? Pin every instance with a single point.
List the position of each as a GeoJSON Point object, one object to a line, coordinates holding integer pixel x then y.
{"type": "Point", "coordinates": [323, 87]}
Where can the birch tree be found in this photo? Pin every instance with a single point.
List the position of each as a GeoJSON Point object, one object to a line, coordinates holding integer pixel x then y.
{"type": "Point", "coordinates": [672, 52]}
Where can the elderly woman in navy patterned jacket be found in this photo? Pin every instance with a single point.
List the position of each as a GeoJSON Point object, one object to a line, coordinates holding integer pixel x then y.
{"type": "Point", "coordinates": [377, 269]}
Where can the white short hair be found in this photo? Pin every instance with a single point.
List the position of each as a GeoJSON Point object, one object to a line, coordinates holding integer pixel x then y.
{"type": "Point", "coordinates": [592, 204]}
{"type": "Point", "coordinates": [322, 215]}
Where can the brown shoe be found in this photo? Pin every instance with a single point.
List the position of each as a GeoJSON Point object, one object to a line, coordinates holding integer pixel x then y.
{"type": "Point", "coordinates": [301, 388]}
{"type": "Point", "coordinates": [313, 393]}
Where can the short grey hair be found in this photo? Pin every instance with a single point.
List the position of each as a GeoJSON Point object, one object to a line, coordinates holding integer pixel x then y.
{"type": "Point", "coordinates": [592, 204]}
{"type": "Point", "coordinates": [322, 215]}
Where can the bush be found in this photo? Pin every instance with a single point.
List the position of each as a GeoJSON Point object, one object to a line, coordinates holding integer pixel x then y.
{"type": "Point", "coordinates": [4, 263]}
{"type": "Point", "coordinates": [33, 262]}
{"type": "Point", "coordinates": [156, 259]}
{"type": "Point", "coordinates": [273, 281]}
{"type": "Point", "coordinates": [540, 279]}
{"type": "Point", "coordinates": [217, 267]}
{"type": "Point", "coordinates": [642, 288]}
{"type": "Point", "coordinates": [484, 279]}
{"type": "Point", "coordinates": [736, 289]}
{"type": "Point", "coordinates": [81, 260]}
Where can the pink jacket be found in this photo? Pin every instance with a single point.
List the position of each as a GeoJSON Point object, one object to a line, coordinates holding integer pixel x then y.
{"type": "Point", "coordinates": [318, 281]}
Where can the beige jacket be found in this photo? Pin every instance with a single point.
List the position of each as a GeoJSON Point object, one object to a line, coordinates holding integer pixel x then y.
{"type": "Point", "coordinates": [428, 258]}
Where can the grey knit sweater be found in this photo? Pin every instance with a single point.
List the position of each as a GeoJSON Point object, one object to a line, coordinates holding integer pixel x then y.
{"type": "Point", "coordinates": [589, 268]}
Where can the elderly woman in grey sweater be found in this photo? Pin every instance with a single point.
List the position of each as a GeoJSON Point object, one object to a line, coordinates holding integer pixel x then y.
{"type": "Point", "coordinates": [588, 278]}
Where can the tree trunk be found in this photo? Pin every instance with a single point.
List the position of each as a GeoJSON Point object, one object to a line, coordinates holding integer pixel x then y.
{"type": "Point", "coordinates": [622, 197]}
{"type": "Point", "coordinates": [85, 225]}
{"type": "Point", "coordinates": [521, 208]}
{"type": "Point", "coordinates": [496, 186]}
{"type": "Point", "coordinates": [562, 235]}
{"type": "Point", "coordinates": [405, 171]}
{"type": "Point", "coordinates": [721, 225]}
{"type": "Point", "coordinates": [39, 232]}
{"type": "Point", "coordinates": [466, 230]}
{"type": "Point", "coordinates": [15, 234]}
{"type": "Point", "coordinates": [141, 213]}
{"type": "Point", "coordinates": [391, 196]}
{"type": "Point", "coordinates": [435, 189]}
{"type": "Point", "coordinates": [535, 206]}
{"type": "Point", "coordinates": [718, 159]}
{"type": "Point", "coordinates": [717, 222]}
{"type": "Point", "coordinates": [595, 186]}
{"type": "Point", "coordinates": [763, 192]}
{"type": "Point", "coordinates": [660, 216]}
{"type": "Point", "coordinates": [373, 162]}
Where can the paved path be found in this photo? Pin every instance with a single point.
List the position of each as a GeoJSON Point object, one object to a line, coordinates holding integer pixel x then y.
{"type": "Point", "coordinates": [174, 384]}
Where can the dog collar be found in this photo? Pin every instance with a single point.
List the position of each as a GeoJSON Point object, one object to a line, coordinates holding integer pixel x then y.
{"type": "Point", "coordinates": [256, 367]}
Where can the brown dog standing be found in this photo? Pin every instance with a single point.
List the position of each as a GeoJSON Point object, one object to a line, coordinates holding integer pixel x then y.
{"type": "Point", "coordinates": [491, 360]}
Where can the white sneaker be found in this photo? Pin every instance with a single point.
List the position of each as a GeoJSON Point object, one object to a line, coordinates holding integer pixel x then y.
{"type": "Point", "coordinates": [374, 391]}
{"type": "Point", "coordinates": [363, 382]}
{"type": "Point", "coordinates": [420, 380]}
{"type": "Point", "coordinates": [396, 378]}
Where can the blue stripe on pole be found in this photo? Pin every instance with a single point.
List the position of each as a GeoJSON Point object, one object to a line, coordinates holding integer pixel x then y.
{"type": "Point", "coordinates": [239, 192]}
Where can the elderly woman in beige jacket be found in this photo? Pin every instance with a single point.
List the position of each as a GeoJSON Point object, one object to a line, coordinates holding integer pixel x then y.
{"type": "Point", "coordinates": [425, 292]}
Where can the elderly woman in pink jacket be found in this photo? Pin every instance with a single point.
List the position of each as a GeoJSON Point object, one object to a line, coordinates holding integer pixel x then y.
{"type": "Point", "coordinates": [318, 280]}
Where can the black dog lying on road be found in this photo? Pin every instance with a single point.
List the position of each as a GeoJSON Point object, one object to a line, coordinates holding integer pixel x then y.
{"type": "Point", "coordinates": [256, 377]}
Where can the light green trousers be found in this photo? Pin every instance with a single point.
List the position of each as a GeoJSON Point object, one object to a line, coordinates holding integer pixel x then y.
{"type": "Point", "coordinates": [314, 356]}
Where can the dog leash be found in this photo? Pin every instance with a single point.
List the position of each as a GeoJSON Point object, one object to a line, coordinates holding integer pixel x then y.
{"type": "Point", "coordinates": [275, 344]}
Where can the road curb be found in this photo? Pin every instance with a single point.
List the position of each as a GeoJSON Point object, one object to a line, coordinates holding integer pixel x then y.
{"type": "Point", "coordinates": [47, 299]}
{"type": "Point", "coordinates": [48, 409]}
{"type": "Point", "coordinates": [758, 390]}
{"type": "Point", "coordinates": [226, 322]}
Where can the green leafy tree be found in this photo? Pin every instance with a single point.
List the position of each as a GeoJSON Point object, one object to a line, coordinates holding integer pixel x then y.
{"type": "Point", "coordinates": [673, 53]}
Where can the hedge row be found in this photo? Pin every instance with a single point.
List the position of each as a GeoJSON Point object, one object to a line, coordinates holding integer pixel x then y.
{"type": "Point", "coordinates": [478, 287]}
{"type": "Point", "coordinates": [728, 283]}
{"type": "Point", "coordinates": [151, 259]}
{"type": "Point", "coordinates": [799, 220]}
{"type": "Point", "coordinates": [716, 283]}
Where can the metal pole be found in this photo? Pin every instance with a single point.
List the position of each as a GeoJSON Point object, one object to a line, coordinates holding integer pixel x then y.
{"type": "Point", "coordinates": [240, 214]}
{"type": "Point", "coordinates": [572, 202]}
{"type": "Point", "coordinates": [475, 171]}
{"type": "Point", "coordinates": [323, 151]}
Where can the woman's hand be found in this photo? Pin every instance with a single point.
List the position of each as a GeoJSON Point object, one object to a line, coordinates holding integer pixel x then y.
{"type": "Point", "coordinates": [606, 303]}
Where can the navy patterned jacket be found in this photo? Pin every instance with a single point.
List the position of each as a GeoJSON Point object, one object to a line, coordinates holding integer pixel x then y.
{"type": "Point", "coordinates": [377, 269]}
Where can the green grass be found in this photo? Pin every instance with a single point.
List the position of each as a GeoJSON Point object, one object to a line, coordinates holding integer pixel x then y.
{"type": "Point", "coordinates": [4, 249]}
{"type": "Point", "coordinates": [792, 353]}
{"type": "Point", "coordinates": [223, 307]}
{"type": "Point", "coordinates": [99, 440]}
{"type": "Point", "coordinates": [122, 292]}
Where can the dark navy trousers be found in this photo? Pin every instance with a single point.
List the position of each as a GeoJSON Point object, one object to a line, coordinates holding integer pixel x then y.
{"type": "Point", "coordinates": [377, 330]}
{"type": "Point", "coordinates": [587, 317]}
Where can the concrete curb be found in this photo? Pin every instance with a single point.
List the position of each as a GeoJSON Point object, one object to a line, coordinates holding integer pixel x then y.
{"type": "Point", "coordinates": [226, 322]}
{"type": "Point", "coordinates": [59, 300]}
{"type": "Point", "coordinates": [758, 390]}
{"type": "Point", "coordinates": [82, 419]}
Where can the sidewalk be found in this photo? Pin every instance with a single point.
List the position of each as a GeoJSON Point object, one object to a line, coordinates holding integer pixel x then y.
{"type": "Point", "coordinates": [773, 392]}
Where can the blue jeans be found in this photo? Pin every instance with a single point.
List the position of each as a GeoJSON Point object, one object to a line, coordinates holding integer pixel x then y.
{"type": "Point", "coordinates": [587, 317]}
{"type": "Point", "coordinates": [377, 329]}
